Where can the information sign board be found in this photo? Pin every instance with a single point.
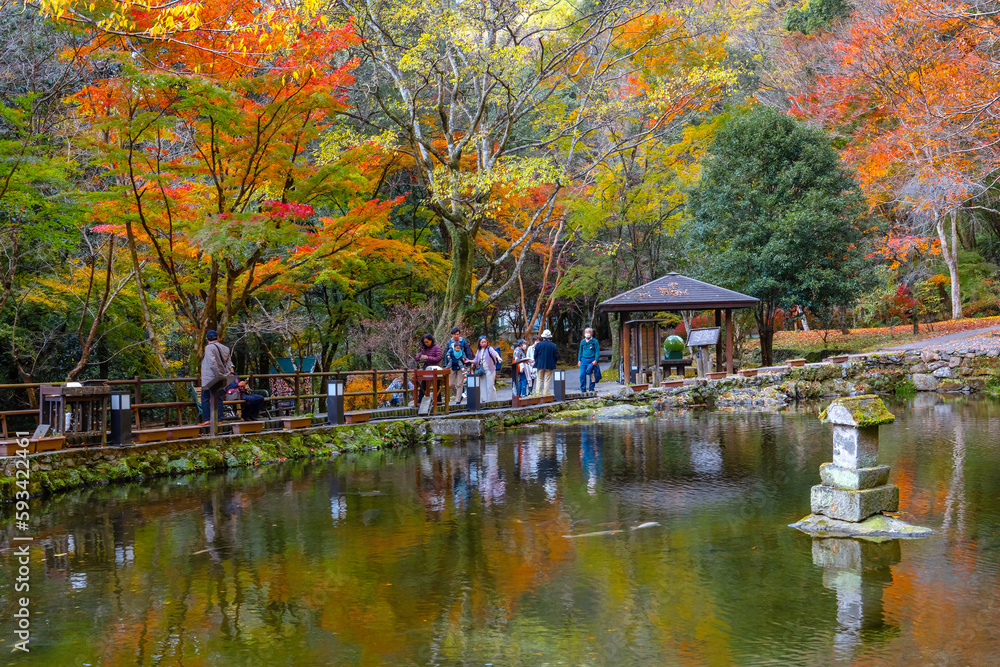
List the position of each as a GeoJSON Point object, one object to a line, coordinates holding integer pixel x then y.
{"type": "Point", "coordinates": [700, 337]}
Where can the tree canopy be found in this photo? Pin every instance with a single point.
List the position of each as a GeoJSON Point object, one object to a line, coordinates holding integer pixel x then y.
{"type": "Point", "coordinates": [299, 176]}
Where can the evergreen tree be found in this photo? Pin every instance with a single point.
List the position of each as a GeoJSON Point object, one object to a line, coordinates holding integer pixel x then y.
{"type": "Point", "coordinates": [775, 215]}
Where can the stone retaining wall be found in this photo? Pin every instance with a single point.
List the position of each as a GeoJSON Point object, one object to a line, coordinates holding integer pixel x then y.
{"type": "Point", "coordinates": [962, 369]}
{"type": "Point", "coordinates": [68, 468]}
{"type": "Point", "coordinates": [882, 373]}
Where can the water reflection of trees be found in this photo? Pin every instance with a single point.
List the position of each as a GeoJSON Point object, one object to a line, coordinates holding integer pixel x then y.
{"type": "Point", "coordinates": [459, 553]}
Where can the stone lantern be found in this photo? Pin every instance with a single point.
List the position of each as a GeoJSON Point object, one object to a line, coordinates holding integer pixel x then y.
{"type": "Point", "coordinates": [855, 489]}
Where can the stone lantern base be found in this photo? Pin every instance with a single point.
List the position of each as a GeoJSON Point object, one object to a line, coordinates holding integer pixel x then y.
{"type": "Point", "coordinates": [877, 528]}
{"type": "Point", "coordinates": [854, 504]}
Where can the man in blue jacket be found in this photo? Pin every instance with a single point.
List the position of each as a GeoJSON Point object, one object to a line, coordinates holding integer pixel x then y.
{"type": "Point", "coordinates": [590, 352]}
{"type": "Point", "coordinates": [546, 357]}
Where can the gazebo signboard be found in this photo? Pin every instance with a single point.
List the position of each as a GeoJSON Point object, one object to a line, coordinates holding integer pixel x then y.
{"type": "Point", "coordinates": [700, 340]}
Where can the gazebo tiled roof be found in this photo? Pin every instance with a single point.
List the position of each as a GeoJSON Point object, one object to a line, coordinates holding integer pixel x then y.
{"type": "Point", "coordinates": [676, 292]}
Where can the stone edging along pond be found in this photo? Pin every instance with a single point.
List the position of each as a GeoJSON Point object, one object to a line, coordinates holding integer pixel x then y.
{"type": "Point", "coordinates": [70, 468]}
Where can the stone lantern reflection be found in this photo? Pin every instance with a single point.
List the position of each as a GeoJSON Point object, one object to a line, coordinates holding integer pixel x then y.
{"type": "Point", "coordinates": [858, 571]}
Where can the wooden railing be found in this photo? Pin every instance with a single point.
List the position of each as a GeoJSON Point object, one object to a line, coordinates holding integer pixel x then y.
{"type": "Point", "coordinates": [308, 395]}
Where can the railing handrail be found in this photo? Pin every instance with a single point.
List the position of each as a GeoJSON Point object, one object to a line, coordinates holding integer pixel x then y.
{"type": "Point", "coordinates": [302, 396]}
{"type": "Point", "coordinates": [303, 391]}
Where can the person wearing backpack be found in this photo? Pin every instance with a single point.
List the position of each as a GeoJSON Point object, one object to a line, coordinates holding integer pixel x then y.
{"type": "Point", "coordinates": [456, 337]}
{"type": "Point", "coordinates": [214, 364]}
{"type": "Point", "coordinates": [588, 356]}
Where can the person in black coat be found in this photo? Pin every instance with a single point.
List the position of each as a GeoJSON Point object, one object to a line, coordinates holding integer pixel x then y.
{"type": "Point", "coordinates": [546, 357]}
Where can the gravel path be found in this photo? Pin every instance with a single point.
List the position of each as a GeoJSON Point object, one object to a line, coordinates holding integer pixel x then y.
{"type": "Point", "coordinates": [981, 339]}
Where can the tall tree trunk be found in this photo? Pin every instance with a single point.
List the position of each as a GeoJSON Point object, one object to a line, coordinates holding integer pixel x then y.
{"type": "Point", "coordinates": [459, 287]}
{"type": "Point", "coordinates": [950, 255]}
{"type": "Point", "coordinates": [765, 326]}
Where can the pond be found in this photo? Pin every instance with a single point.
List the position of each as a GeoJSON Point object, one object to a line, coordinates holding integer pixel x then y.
{"type": "Point", "coordinates": [532, 546]}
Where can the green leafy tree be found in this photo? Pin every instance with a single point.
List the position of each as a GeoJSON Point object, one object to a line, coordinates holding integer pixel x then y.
{"type": "Point", "coordinates": [816, 15]}
{"type": "Point", "coordinates": [776, 215]}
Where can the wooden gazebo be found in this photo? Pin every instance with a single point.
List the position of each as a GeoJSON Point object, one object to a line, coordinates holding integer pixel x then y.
{"type": "Point", "coordinates": [674, 292]}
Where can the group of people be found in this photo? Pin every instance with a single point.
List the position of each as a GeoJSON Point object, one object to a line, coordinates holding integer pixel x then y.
{"type": "Point", "coordinates": [459, 358]}
{"type": "Point", "coordinates": [534, 365]}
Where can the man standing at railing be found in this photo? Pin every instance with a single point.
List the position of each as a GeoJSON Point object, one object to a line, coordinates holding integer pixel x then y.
{"type": "Point", "coordinates": [214, 363]}
{"type": "Point", "coordinates": [546, 357]}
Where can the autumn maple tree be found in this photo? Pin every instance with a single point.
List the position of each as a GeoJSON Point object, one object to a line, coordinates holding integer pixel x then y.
{"type": "Point", "coordinates": [490, 99]}
{"type": "Point", "coordinates": [912, 89]}
{"type": "Point", "coordinates": [207, 153]}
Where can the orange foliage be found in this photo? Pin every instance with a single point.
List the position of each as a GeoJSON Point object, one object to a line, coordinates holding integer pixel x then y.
{"type": "Point", "coordinates": [917, 111]}
{"type": "Point", "coordinates": [205, 144]}
{"type": "Point", "coordinates": [835, 337]}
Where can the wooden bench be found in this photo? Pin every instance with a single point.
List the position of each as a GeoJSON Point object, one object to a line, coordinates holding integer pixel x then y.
{"type": "Point", "coordinates": [242, 428]}
{"type": "Point", "coordinates": [674, 366]}
{"type": "Point", "coordinates": [291, 423]}
{"type": "Point", "coordinates": [166, 434]}
{"type": "Point", "coordinates": [50, 444]}
{"type": "Point", "coordinates": [177, 405]}
{"type": "Point", "coordinates": [150, 435]}
{"type": "Point", "coordinates": [10, 448]}
{"type": "Point", "coordinates": [357, 417]}
{"type": "Point", "coordinates": [12, 413]}
{"type": "Point", "coordinates": [522, 401]}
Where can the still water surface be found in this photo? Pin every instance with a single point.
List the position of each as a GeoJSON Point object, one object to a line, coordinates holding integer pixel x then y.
{"type": "Point", "coordinates": [478, 553]}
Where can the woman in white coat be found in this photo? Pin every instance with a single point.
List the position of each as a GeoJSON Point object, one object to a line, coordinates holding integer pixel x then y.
{"type": "Point", "coordinates": [487, 358]}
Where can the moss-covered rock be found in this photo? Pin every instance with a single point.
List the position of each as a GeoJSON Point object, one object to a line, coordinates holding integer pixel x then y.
{"type": "Point", "coordinates": [860, 411]}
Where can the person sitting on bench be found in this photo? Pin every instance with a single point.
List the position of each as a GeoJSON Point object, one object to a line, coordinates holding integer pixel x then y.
{"type": "Point", "coordinates": [252, 403]}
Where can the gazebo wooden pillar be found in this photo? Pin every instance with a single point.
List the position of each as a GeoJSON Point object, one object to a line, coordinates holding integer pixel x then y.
{"type": "Point", "coordinates": [718, 343]}
{"type": "Point", "coordinates": [729, 341]}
